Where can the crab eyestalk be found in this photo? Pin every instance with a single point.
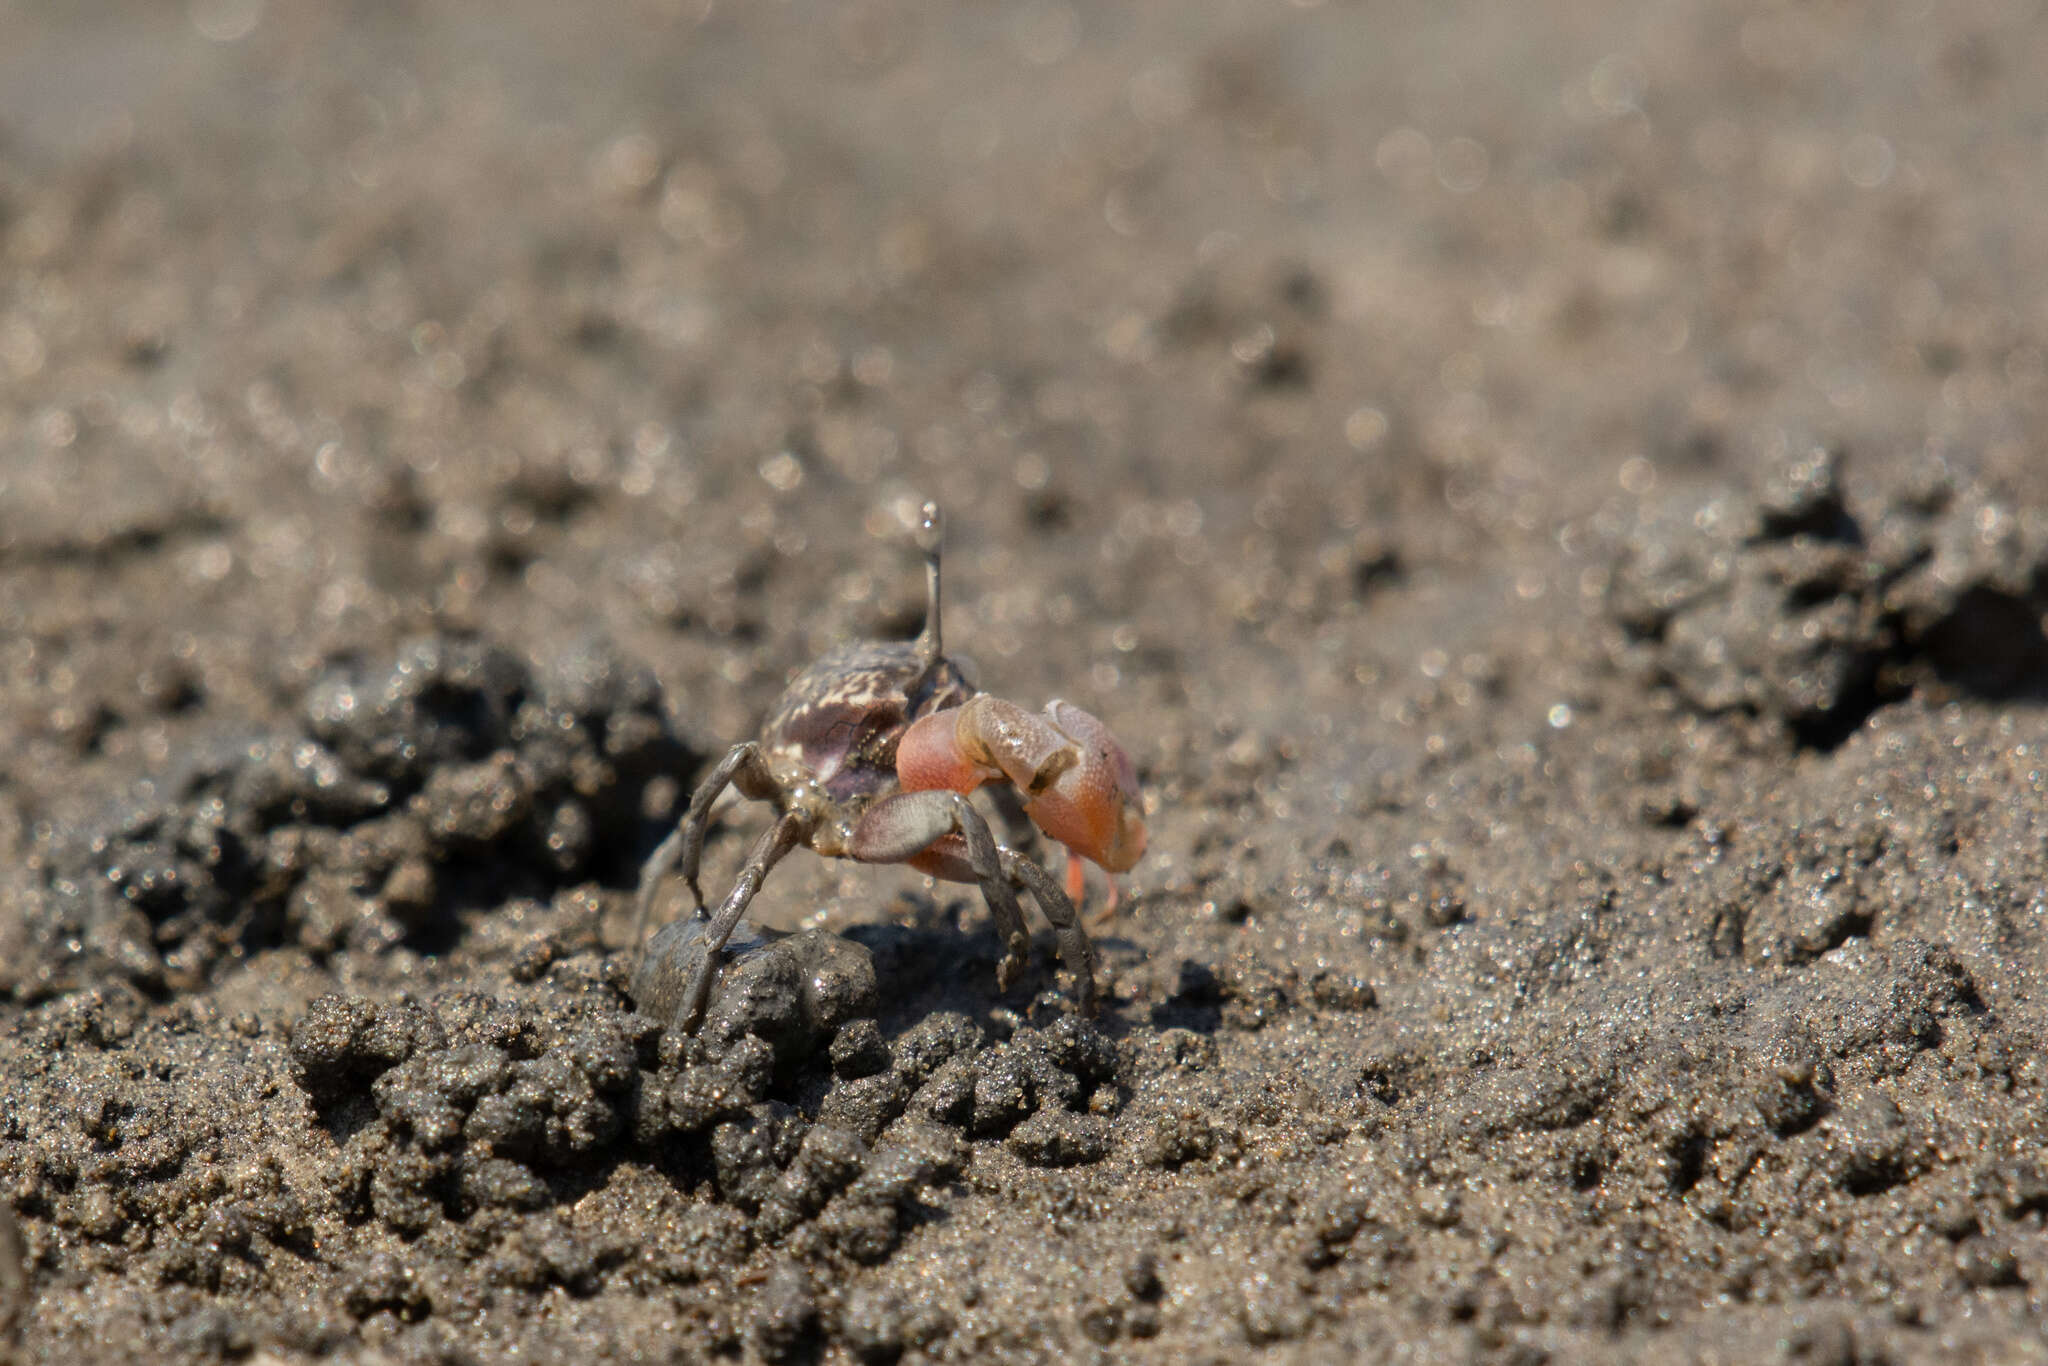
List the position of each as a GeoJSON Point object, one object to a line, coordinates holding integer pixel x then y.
{"type": "Point", "coordinates": [931, 535]}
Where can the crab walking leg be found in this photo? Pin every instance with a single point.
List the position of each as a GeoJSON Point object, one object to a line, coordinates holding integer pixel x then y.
{"type": "Point", "coordinates": [785, 835]}
{"type": "Point", "coordinates": [1075, 949]}
{"type": "Point", "coordinates": [898, 828]}
{"type": "Point", "coordinates": [743, 767]}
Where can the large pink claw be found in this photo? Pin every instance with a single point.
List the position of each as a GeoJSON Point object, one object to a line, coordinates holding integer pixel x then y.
{"type": "Point", "coordinates": [1093, 808]}
{"type": "Point", "coordinates": [1078, 784]}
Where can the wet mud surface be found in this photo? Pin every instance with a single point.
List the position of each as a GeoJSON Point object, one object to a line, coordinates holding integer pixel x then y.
{"type": "Point", "coordinates": [1554, 505]}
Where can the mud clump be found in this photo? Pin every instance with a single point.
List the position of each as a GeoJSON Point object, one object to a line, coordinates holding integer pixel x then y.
{"type": "Point", "coordinates": [477, 1106]}
{"type": "Point", "coordinates": [451, 775]}
{"type": "Point", "coordinates": [793, 991]}
{"type": "Point", "coordinates": [449, 1110]}
{"type": "Point", "coordinates": [470, 1106]}
{"type": "Point", "coordinates": [1812, 607]}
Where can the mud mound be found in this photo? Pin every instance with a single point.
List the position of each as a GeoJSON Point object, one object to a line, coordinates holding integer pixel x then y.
{"type": "Point", "coordinates": [1806, 606]}
{"type": "Point", "coordinates": [448, 777]}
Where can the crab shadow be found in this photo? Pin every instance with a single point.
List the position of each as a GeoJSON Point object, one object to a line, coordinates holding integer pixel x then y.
{"type": "Point", "coordinates": [942, 955]}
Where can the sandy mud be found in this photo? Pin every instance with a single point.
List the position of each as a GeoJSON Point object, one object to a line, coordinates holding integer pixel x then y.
{"type": "Point", "coordinates": [1552, 498]}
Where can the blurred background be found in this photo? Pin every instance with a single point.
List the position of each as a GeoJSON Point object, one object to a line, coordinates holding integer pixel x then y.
{"type": "Point", "coordinates": [361, 315]}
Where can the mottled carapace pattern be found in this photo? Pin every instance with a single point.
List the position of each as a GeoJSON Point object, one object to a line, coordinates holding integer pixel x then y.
{"type": "Point", "coordinates": [841, 718]}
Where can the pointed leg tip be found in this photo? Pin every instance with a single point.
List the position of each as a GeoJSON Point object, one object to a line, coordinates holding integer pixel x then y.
{"type": "Point", "coordinates": [1016, 959]}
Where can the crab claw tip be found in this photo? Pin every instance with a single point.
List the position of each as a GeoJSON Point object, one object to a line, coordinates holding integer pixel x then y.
{"type": "Point", "coordinates": [1094, 808]}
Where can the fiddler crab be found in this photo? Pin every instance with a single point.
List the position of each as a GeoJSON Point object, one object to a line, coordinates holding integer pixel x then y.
{"type": "Point", "coordinates": [871, 755]}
